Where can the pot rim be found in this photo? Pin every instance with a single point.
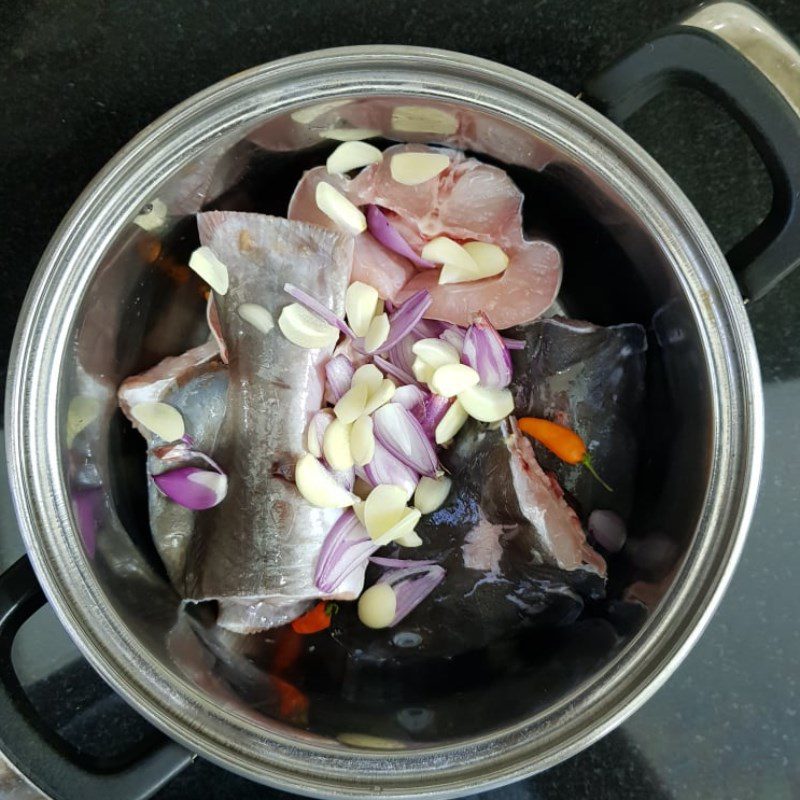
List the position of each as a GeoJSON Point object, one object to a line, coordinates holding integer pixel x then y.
{"type": "Point", "coordinates": [288, 760]}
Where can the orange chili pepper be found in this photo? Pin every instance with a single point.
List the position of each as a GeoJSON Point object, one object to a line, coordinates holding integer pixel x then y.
{"type": "Point", "coordinates": [313, 621]}
{"type": "Point", "coordinates": [562, 441]}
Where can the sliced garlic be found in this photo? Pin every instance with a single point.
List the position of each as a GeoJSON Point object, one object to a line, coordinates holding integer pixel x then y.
{"type": "Point", "coordinates": [361, 306]}
{"type": "Point", "coordinates": [431, 493]}
{"type": "Point", "coordinates": [358, 508]}
{"type": "Point", "coordinates": [451, 423]}
{"type": "Point", "coordinates": [491, 259]}
{"type": "Point", "coordinates": [411, 169]}
{"type": "Point", "coordinates": [377, 606]}
{"type": "Point", "coordinates": [305, 329]}
{"type": "Point", "coordinates": [316, 431]}
{"type": "Point", "coordinates": [487, 405]}
{"type": "Point", "coordinates": [349, 134]}
{"type": "Point", "coordinates": [81, 412]}
{"type": "Point", "coordinates": [362, 441]}
{"type": "Point", "coordinates": [422, 370]}
{"type": "Point", "coordinates": [435, 352]}
{"type": "Point", "coordinates": [153, 216]}
{"type": "Point", "coordinates": [443, 250]}
{"type": "Point", "coordinates": [336, 446]}
{"type": "Point", "coordinates": [403, 528]}
{"type": "Point", "coordinates": [369, 742]}
{"type": "Point", "coordinates": [382, 395]}
{"type": "Point", "coordinates": [210, 269]}
{"type": "Point", "coordinates": [352, 155]}
{"type": "Point", "coordinates": [339, 209]}
{"type": "Point", "coordinates": [383, 509]}
{"type": "Point", "coordinates": [318, 486]}
{"type": "Point", "coordinates": [378, 333]}
{"type": "Point", "coordinates": [310, 113]}
{"type": "Point", "coordinates": [410, 539]}
{"type": "Point", "coordinates": [370, 376]}
{"type": "Point", "coordinates": [450, 273]}
{"type": "Point", "coordinates": [452, 379]}
{"type": "Point", "coordinates": [161, 419]}
{"type": "Point", "coordinates": [361, 489]}
{"type": "Point", "coordinates": [352, 403]}
{"type": "Point", "coordinates": [258, 316]}
{"type": "Point", "coordinates": [423, 119]}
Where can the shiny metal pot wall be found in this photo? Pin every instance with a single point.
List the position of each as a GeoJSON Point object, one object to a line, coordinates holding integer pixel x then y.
{"type": "Point", "coordinates": [110, 299]}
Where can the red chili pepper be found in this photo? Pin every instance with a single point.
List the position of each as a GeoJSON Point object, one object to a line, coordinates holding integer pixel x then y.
{"type": "Point", "coordinates": [315, 620]}
{"type": "Point", "coordinates": [288, 649]}
{"type": "Point", "coordinates": [292, 703]}
{"type": "Point", "coordinates": [562, 441]}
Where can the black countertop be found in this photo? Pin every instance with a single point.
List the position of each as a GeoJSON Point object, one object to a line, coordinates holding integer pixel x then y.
{"type": "Point", "coordinates": [78, 79]}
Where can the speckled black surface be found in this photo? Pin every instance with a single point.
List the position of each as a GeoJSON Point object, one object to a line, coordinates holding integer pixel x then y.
{"type": "Point", "coordinates": [79, 78]}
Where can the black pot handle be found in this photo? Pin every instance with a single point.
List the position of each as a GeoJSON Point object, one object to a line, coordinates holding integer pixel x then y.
{"type": "Point", "coordinates": [36, 751]}
{"type": "Point", "coordinates": [733, 53]}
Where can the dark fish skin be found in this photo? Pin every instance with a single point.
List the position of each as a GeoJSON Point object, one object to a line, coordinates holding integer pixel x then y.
{"type": "Point", "coordinates": [475, 605]}
{"type": "Point", "coordinates": [587, 377]}
{"type": "Point", "coordinates": [591, 379]}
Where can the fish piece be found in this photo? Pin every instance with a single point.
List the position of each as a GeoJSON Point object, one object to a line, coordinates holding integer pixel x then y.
{"type": "Point", "coordinates": [510, 567]}
{"type": "Point", "coordinates": [195, 383]}
{"type": "Point", "coordinates": [591, 379]}
{"type": "Point", "coordinates": [261, 254]}
{"type": "Point", "coordinates": [419, 203]}
{"type": "Point", "coordinates": [469, 201]}
{"type": "Point", "coordinates": [256, 551]}
{"type": "Point", "coordinates": [156, 383]}
{"type": "Point", "coordinates": [373, 264]}
{"type": "Point", "coordinates": [524, 291]}
{"type": "Point", "coordinates": [558, 536]}
{"type": "Point", "coordinates": [512, 490]}
{"type": "Point", "coordinates": [201, 401]}
{"type": "Point", "coordinates": [380, 268]}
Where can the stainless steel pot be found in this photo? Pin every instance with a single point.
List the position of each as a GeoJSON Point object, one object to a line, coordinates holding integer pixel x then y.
{"type": "Point", "coordinates": [109, 299]}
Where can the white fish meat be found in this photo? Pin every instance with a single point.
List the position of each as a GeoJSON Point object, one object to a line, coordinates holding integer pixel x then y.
{"type": "Point", "coordinates": [468, 201]}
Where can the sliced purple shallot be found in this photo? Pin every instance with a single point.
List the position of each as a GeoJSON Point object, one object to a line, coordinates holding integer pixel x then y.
{"type": "Point", "coordinates": [384, 232]}
{"type": "Point", "coordinates": [189, 486]}
{"type": "Point", "coordinates": [338, 375]}
{"type": "Point", "coordinates": [406, 317]}
{"type": "Point", "coordinates": [430, 410]}
{"type": "Point", "coordinates": [346, 548]}
{"type": "Point", "coordinates": [321, 310]}
{"type": "Point", "coordinates": [398, 562]}
{"type": "Point", "coordinates": [403, 436]}
{"type": "Point", "coordinates": [386, 469]}
{"type": "Point", "coordinates": [401, 355]}
{"type": "Point", "coordinates": [393, 370]}
{"type": "Point", "coordinates": [411, 585]}
{"type": "Point", "coordinates": [192, 487]}
{"type": "Point", "coordinates": [409, 396]}
{"type": "Point", "coordinates": [485, 351]}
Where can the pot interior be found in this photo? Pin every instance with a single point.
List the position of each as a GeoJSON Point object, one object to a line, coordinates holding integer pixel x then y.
{"type": "Point", "coordinates": [144, 304]}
